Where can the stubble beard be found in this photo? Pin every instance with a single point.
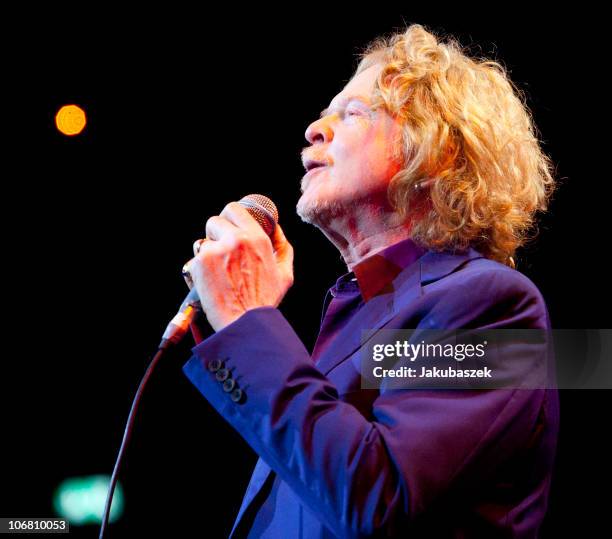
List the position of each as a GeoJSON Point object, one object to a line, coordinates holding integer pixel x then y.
{"type": "Point", "coordinates": [318, 211]}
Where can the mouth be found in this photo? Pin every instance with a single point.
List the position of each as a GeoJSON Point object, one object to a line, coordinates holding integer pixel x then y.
{"type": "Point", "coordinates": [310, 173]}
{"type": "Point", "coordinates": [311, 164]}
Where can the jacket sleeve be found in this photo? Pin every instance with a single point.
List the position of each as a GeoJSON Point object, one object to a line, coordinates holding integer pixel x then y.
{"type": "Point", "coordinates": [363, 476]}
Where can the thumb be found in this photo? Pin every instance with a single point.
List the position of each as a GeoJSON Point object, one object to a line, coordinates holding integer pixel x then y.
{"type": "Point", "coordinates": [283, 250]}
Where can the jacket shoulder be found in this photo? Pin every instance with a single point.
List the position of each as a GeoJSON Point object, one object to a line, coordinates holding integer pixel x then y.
{"type": "Point", "coordinates": [483, 271]}
{"type": "Point", "coordinates": [485, 289]}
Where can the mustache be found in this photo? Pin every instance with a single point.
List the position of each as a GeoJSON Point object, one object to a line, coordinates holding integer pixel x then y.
{"type": "Point", "coordinates": [309, 153]}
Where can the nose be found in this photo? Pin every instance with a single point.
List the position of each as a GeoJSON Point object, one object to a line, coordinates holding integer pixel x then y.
{"type": "Point", "coordinates": [319, 131]}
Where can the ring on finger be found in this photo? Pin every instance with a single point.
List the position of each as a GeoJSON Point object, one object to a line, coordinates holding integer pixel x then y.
{"type": "Point", "coordinates": [197, 244]}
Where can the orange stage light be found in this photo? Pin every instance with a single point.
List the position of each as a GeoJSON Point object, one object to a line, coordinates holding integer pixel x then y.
{"type": "Point", "coordinates": [70, 120]}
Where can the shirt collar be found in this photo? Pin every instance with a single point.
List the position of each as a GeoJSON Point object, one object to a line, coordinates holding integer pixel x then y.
{"type": "Point", "coordinates": [375, 274]}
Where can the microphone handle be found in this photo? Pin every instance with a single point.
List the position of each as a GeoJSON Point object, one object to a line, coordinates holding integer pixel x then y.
{"type": "Point", "coordinates": [179, 325]}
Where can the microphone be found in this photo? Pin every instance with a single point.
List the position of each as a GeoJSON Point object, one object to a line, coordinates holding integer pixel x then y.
{"type": "Point", "coordinates": [264, 211]}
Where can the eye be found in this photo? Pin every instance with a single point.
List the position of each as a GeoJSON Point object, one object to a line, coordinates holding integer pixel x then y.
{"type": "Point", "coordinates": [353, 112]}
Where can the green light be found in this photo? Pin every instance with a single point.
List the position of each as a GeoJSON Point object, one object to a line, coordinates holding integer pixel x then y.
{"type": "Point", "coordinates": [81, 499]}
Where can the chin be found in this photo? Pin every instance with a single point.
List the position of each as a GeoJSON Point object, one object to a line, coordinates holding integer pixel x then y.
{"type": "Point", "coordinates": [318, 210]}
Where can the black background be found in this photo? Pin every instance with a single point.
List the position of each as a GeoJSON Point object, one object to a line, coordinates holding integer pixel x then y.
{"type": "Point", "coordinates": [187, 111]}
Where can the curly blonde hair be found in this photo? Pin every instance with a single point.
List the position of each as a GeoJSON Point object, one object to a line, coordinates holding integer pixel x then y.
{"type": "Point", "coordinates": [473, 173]}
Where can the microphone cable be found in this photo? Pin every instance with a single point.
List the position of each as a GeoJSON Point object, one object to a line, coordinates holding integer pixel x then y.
{"type": "Point", "coordinates": [127, 433]}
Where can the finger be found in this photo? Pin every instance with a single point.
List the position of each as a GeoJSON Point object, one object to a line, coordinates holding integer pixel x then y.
{"type": "Point", "coordinates": [282, 248]}
{"type": "Point", "coordinates": [238, 215]}
{"type": "Point", "coordinates": [218, 227]}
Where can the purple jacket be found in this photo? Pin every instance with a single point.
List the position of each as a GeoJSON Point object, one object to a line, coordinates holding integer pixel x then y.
{"type": "Point", "coordinates": [340, 461]}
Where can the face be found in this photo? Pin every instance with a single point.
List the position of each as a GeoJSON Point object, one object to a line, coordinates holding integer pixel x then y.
{"type": "Point", "coordinates": [349, 162]}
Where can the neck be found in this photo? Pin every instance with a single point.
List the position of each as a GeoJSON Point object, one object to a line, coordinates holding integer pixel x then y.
{"type": "Point", "coordinates": [360, 236]}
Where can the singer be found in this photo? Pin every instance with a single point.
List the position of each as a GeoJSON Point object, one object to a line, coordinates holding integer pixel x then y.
{"type": "Point", "coordinates": [425, 172]}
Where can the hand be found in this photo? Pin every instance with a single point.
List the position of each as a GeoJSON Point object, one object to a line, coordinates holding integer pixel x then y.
{"type": "Point", "coordinates": [239, 267]}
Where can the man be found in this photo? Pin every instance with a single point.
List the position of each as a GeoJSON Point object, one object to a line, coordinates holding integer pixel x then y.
{"type": "Point", "coordinates": [425, 173]}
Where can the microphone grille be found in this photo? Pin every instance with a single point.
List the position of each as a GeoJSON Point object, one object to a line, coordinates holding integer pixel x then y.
{"type": "Point", "coordinates": [263, 210]}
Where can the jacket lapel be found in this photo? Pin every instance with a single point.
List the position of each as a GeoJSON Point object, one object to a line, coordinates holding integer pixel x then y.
{"type": "Point", "coordinates": [374, 315]}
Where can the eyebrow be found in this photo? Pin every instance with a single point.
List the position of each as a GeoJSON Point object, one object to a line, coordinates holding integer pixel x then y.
{"type": "Point", "coordinates": [345, 101]}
